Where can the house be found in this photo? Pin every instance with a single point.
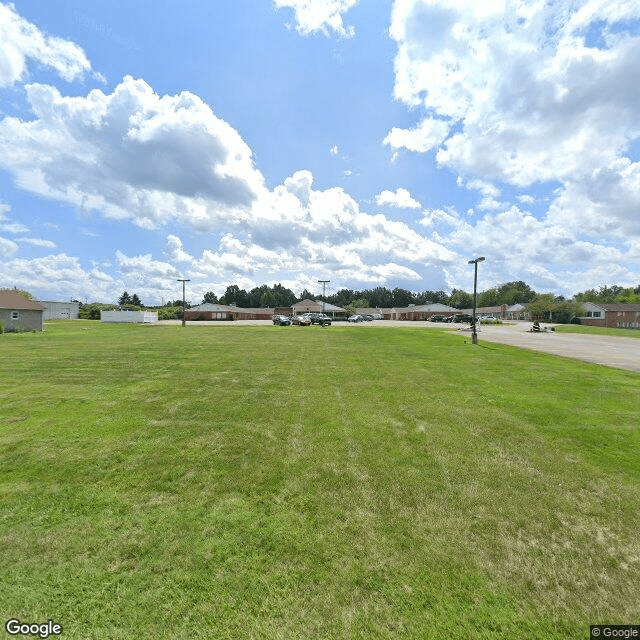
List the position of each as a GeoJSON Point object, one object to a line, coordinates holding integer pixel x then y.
{"type": "Point", "coordinates": [19, 314]}
{"type": "Point", "coordinates": [516, 312]}
{"type": "Point", "coordinates": [623, 316]}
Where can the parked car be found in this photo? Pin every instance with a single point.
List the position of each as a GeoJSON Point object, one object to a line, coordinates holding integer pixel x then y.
{"type": "Point", "coordinates": [488, 319]}
{"type": "Point", "coordinates": [368, 318]}
{"type": "Point", "coordinates": [438, 318]}
{"type": "Point", "coordinates": [318, 318]}
{"type": "Point", "coordinates": [303, 321]}
{"type": "Point", "coordinates": [462, 317]}
{"type": "Point", "coordinates": [283, 321]}
{"type": "Point", "coordinates": [355, 318]}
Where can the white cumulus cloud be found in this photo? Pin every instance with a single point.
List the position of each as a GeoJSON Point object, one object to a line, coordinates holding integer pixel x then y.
{"type": "Point", "coordinates": [323, 16]}
{"type": "Point", "coordinates": [400, 198]}
{"type": "Point", "coordinates": [132, 155]}
{"type": "Point", "coordinates": [23, 41]}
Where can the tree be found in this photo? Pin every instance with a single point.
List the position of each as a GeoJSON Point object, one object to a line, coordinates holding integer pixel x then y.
{"type": "Point", "coordinates": [402, 297]}
{"type": "Point", "coordinates": [135, 300]}
{"type": "Point", "coordinates": [124, 299]}
{"type": "Point", "coordinates": [210, 298]}
{"type": "Point", "coordinates": [514, 292]}
{"type": "Point", "coordinates": [542, 306]}
{"type": "Point", "coordinates": [360, 303]}
{"type": "Point", "coordinates": [552, 308]}
{"type": "Point", "coordinates": [268, 299]}
{"type": "Point", "coordinates": [307, 295]}
{"type": "Point", "coordinates": [460, 299]}
{"type": "Point", "coordinates": [235, 295]}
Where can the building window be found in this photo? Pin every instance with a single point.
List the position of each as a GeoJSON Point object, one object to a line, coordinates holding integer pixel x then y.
{"type": "Point", "coordinates": [15, 315]}
{"type": "Point", "coordinates": [596, 314]}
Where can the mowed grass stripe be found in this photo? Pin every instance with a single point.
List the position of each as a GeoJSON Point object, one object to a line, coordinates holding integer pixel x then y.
{"type": "Point", "coordinates": [343, 482]}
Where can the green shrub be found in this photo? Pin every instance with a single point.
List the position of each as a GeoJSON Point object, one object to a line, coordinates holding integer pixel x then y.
{"type": "Point", "coordinates": [1, 328]}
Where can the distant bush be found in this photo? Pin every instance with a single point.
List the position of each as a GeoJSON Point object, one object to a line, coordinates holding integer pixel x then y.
{"type": "Point", "coordinates": [169, 313]}
{"type": "Point", "coordinates": [92, 310]}
{"type": "Point", "coordinates": [1, 328]}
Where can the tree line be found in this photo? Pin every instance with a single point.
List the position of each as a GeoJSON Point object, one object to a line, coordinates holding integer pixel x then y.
{"type": "Point", "coordinates": [542, 305]}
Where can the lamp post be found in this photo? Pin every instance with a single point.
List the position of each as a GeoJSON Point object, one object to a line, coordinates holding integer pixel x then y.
{"type": "Point", "coordinates": [324, 282]}
{"type": "Point", "coordinates": [183, 300]}
{"type": "Point", "coordinates": [474, 334]}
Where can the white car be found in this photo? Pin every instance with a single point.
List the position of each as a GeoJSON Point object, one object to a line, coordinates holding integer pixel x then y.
{"type": "Point", "coordinates": [355, 318]}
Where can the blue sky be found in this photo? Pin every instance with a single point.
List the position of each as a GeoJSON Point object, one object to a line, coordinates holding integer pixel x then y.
{"type": "Point", "coordinates": [369, 143]}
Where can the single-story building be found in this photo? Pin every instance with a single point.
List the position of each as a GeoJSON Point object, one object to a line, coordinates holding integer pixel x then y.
{"type": "Point", "coordinates": [412, 312]}
{"type": "Point", "coordinates": [210, 311]}
{"type": "Point", "coordinates": [60, 310]}
{"type": "Point", "coordinates": [17, 313]}
{"type": "Point", "coordinates": [317, 306]}
{"type": "Point", "coordinates": [622, 316]}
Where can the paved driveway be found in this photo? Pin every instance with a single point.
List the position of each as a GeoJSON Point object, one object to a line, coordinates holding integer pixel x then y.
{"type": "Point", "coordinates": [612, 351]}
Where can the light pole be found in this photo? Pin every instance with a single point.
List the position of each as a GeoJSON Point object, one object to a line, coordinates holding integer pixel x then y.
{"type": "Point", "coordinates": [324, 282]}
{"type": "Point", "coordinates": [183, 300]}
{"type": "Point", "coordinates": [474, 334]}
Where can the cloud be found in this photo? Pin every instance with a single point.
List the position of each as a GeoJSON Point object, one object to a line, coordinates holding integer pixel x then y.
{"type": "Point", "coordinates": [334, 151]}
{"type": "Point", "coordinates": [23, 41]}
{"type": "Point", "coordinates": [175, 250]}
{"type": "Point", "coordinates": [37, 242]}
{"type": "Point", "coordinates": [529, 97]}
{"type": "Point", "coordinates": [399, 198]}
{"type": "Point", "coordinates": [59, 276]}
{"type": "Point", "coordinates": [323, 16]}
{"type": "Point", "coordinates": [132, 155]}
{"type": "Point", "coordinates": [7, 247]}
{"type": "Point", "coordinates": [428, 134]}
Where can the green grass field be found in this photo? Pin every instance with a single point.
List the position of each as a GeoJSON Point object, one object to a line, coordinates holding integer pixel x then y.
{"type": "Point", "coordinates": [303, 482]}
{"type": "Point", "coordinates": [603, 331]}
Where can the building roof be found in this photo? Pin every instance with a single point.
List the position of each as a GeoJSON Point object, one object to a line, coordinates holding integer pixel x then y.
{"type": "Point", "coordinates": [433, 306]}
{"type": "Point", "coordinates": [12, 300]}
{"type": "Point", "coordinates": [620, 307]}
{"type": "Point", "coordinates": [211, 307]}
{"type": "Point", "coordinates": [317, 305]}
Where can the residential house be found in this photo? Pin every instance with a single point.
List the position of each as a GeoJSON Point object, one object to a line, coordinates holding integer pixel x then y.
{"type": "Point", "coordinates": [623, 316]}
{"type": "Point", "coordinates": [17, 313]}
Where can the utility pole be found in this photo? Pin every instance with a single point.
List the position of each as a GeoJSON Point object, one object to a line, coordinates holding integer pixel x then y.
{"type": "Point", "coordinates": [183, 298]}
{"type": "Point", "coordinates": [474, 334]}
{"type": "Point", "coordinates": [324, 282]}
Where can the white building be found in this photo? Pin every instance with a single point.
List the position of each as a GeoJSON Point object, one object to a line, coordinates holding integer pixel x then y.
{"type": "Point", "coordinates": [135, 317]}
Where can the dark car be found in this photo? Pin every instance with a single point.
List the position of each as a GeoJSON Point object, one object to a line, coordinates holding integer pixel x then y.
{"type": "Point", "coordinates": [438, 318]}
{"type": "Point", "coordinates": [318, 318]}
{"type": "Point", "coordinates": [462, 317]}
{"type": "Point", "coordinates": [283, 321]}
